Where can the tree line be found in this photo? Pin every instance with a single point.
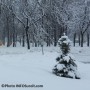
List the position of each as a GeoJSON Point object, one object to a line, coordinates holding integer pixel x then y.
{"type": "Point", "coordinates": [41, 22]}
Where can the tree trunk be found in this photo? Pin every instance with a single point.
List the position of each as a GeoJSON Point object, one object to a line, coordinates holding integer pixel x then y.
{"type": "Point", "coordinates": [55, 40]}
{"type": "Point", "coordinates": [47, 42]}
{"type": "Point", "coordinates": [36, 43]}
{"type": "Point", "coordinates": [47, 39]}
{"type": "Point", "coordinates": [20, 41]}
{"type": "Point", "coordinates": [14, 43]}
{"type": "Point", "coordinates": [82, 39]}
{"type": "Point", "coordinates": [14, 34]}
{"type": "Point", "coordinates": [3, 37]}
{"type": "Point", "coordinates": [74, 41]}
{"type": "Point", "coordinates": [8, 33]}
{"type": "Point", "coordinates": [87, 39]}
{"type": "Point", "coordinates": [27, 36]}
{"type": "Point", "coordinates": [79, 39]}
{"type": "Point", "coordinates": [23, 40]}
{"type": "Point", "coordinates": [42, 50]}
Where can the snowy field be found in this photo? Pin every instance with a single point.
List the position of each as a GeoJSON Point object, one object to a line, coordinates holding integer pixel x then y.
{"type": "Point", "coordinates": [22, 66]}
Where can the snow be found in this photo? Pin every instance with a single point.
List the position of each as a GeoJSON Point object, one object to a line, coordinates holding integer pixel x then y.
{"type": "Point", "coordinates": [66, 58]}
{"type": "Point", "coordinates": [64, 39]}
{"type": "Point", "coordinates": [71, 74]}
{"type": "Point", "coordinates": [21, 66]}
{"type": "Point", "coordinates": [60, 66]}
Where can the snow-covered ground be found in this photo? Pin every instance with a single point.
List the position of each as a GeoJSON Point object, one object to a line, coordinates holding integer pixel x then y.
{"type": "Point", "coordinates": [22, 66]}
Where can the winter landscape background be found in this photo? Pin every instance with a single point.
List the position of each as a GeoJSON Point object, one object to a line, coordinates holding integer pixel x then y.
{"type": "Point", "coordinates": [43, 21]}
{"type": "Point", "coordinates": [29, 32]}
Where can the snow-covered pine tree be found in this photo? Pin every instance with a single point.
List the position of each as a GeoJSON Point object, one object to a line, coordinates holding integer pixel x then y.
{"type": "Point", "coordinates": [66, 66]}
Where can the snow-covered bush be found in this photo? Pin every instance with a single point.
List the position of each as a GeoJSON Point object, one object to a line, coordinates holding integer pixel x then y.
{"type": "Point", "coordinates": [66, 66]}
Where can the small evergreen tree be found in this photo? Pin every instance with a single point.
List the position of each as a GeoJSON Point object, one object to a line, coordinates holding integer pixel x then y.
{"type": "Point", "coordinates": [66, 66]}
